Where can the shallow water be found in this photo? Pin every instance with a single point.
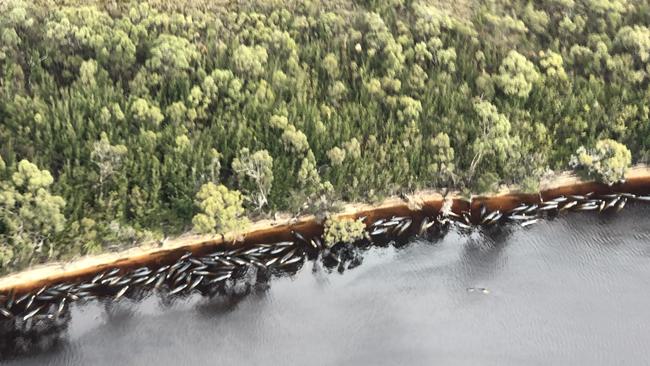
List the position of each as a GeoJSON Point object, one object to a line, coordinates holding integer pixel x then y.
{"type": "Point", "coordinates": [572, 290]}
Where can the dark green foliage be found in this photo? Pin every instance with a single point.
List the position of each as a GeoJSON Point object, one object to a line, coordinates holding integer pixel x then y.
{"type": "Point", "coordinates": [132, 107]}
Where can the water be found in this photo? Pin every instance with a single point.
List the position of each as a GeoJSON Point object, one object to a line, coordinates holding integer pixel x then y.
{"type": "Point", "coordinates": [574, 290]}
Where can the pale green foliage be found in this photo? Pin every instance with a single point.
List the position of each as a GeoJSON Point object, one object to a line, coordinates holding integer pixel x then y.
{"type": "Point", "coordinates": [410, 109]}
{"type": "Point", "coordinates": [182, 143]}
{"type": "Point", "coordinates": [563, 4]}
{"type": "Point", "coordinates": [87, 72]}
{"type": "Point", "coordinates": [487, 182]}
{"type": "Point", "coordinates": [249, 61]}
{"type": "Point", "coordinates": [16, 16]}
{"type": "Point", "coordinates": [220, 81]}
{"type": "Point", "coordinates": [422, 54]}
{"type": "Point", "coordinates": [342, 230]}
{"type": "Point", "coordinates": [171, 53]}
{"type": "Point", "coordinates": [506, 23]}
{"type": "Point", "coordinates": [255, 173]}
{"type": "Point", "coordinates": [146, 114]}
{"type": "Point", "coordinates": [607, 162]}
{"type": "Point", "coordinates": [353, 100]}
{"type": "Point", "coordinates": [418, 78]}
{"type": "Point", "coordinates": [308, 176]}
{"type": "Point", "coordinates": [221, 86]}
{"type": "Point", "coordinates": [635, 40]}
{"type": "Point", "coordinates": [552, 64]}
{"type": "Point", "coordinates": [321, 201]}
{"type": "Point", "coordinates": [485, 85]}
{"type": "Point", "coordinates": [264, 95]}
{"type": "Point", "coordinates": [176, 113]}
{"type": "Point", "coordinates": [606, 6]}
{"type": "Point", "coordinates": [30, 178]}
{"type": "Point", "coordinates": [336, 156]}
{"type": "Point", "coordinates": [442, 165]}
{"type": "Point", "coordinates": [116, 112]}
{"type": "Point", "coordinates": [295, 141]}
{"type": "Point", "coordinates": [214, 164]}
{"type": "Point", "coordinates": [279, 122]}
{"type": "Point", "coordinates": [221, 210]}
{"type": "Point", "coordinates": [537, 20]}
{"type": "Point", "coordinates": [331, 65]}
{"type": "Point", "coordinates": [495, 141]}
{"type": "Point", "coordinates": [204, 224]}
{"type": "Point", "coordinates": [571, 25]}
{"type": "Point", "coordinates": [84, 235]}
{"type": "Point", "coordinates": [124, 235]}
{"type": "Point", "coordinates": [87, 29]}
{"type": "Point", "coordinates": [353, 148]}
{"type": "Point", "coordinates": [432, 21]}
{"type": "Point", "coordinates": [380, 44]}
{"type": "Point", "coordinates": [391, 85]}
{"type": "Point", "coordinates": [29, 214]}
{"type": "Point", "coordinates": [516, 75]}
{"type": "Point", "coordinates": [108, 159]}
{"type": "Point", "coordinates": [337, 91]}
{"type": "Point", "coordinates": [447, 59]}
{"type": "Point", "coordinates": [373, 87]}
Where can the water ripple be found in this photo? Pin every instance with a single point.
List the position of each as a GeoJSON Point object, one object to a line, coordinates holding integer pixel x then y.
{"type": "Point", "coordinates": [572, 290]}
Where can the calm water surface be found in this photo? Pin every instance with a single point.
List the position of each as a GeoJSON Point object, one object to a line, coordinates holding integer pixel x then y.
{"type": "Point", "coordinates": [574, 290]}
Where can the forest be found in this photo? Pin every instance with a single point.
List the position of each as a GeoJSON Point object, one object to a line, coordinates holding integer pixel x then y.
{"type": "Point", "coordinates": [128, 121]}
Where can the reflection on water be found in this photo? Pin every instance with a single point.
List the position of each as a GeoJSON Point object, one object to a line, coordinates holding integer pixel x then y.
{"type": "Point", "coordinates": [570, 290]}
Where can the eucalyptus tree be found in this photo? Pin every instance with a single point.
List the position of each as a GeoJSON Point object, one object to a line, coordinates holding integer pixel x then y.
{"type": "Point", "coordinates": [30, 215]}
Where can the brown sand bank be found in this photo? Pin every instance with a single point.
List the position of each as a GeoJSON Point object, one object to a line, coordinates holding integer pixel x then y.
{"type": "Point", "coordinates": [417, 205]}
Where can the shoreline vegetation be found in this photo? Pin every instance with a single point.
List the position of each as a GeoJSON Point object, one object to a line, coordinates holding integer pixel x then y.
{"type": "Point", "coordinates": [152, 252]}
{"type": "Point", "coordinates": [123, 122]}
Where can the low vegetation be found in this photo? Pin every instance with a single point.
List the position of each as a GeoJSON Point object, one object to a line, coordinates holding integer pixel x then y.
{"type": "Point", "coordinates": [342, 231]}
{"type": "Point", "coordinates": [607, 162]}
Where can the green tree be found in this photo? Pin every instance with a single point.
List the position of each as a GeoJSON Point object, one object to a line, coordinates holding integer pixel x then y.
{"type": "Point", "coordinates": [607, 162]}
{"type": "Point", "coordinates": [221, 210]}
{"type": "Point", "coordinates": [249, 61]}
{"type": "Point", "coordinates": [441, 168]}
{"type": "Point", "coordinates": [145, 114]}
{"type": "Point", "coordinates": [294, 140]}
{"type": "Point", "coordinates": [342, 230]}
{"type": "Point", "coordinates": [171, 53]}
{"type": "Point", "coordinates": [516, 75]}
{"type": "Point", "coordinates": [336, 156]}
{"type": "Point", "coordinates": [255, 173]}
{"type": "Point", "coordinates": [494, 147]}
{"type": "Point", "coordinates": [30, 216]}
{"type": "Point", "coordinates": [552, 64]}
{"type": "Point", "coordinates": [108, 159]}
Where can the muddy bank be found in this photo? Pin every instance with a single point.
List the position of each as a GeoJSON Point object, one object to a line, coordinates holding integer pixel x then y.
{"type": "Point", "coordinates": [422, 204]}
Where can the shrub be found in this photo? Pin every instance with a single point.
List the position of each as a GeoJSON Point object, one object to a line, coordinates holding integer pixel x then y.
{"type": "Point", "coordinates": [607, 162]}
{"type": "Point", "coordinates": [342, 231]}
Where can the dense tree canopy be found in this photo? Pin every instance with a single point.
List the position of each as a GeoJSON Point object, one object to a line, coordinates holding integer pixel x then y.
{"type": "Point", "coordinates": [124, 120]}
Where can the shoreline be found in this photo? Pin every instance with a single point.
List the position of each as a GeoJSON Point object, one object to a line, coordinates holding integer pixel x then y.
{"type": "Point", "coordinates": [426, 202]}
